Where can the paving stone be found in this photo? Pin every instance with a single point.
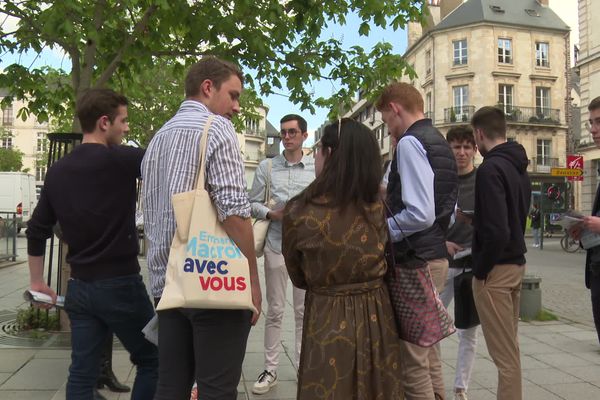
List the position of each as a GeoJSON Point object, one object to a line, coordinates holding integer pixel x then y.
{"type": "Point", "coordinates": [40, 374]}
{"type": "Point", "coordinates": [27, 394]}
{"type": "Point", "coordinates": [548, 376]}
{"type": "Point", "coordinates": [534, 392]}
{"type": "Point", "coordinates": [14, 359]}
{"type": "Point", "coordinates": [4, 377]}
{"type": "Point", "coordinates": [562, 360]}
{"type": "Point", "coordinates": [53, 354]}
{"type": "Point", "coordinates": [576, 391]}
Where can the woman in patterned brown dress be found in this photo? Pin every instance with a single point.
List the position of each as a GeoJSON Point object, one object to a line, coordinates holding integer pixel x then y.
{"type": "Point", "coordinates": [334, 235]}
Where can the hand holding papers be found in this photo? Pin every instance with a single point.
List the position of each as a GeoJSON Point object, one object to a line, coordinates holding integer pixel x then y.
{"type": "Point", "coordinates": [577, 226]}
{"type": "Point", "coordinates": [42, 298]}
{"type": "Point", "coordinates": [569, 220]}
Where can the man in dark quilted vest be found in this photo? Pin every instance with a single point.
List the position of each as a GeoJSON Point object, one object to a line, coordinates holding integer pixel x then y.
{"type": "Point", "coordinates": [422, 193]}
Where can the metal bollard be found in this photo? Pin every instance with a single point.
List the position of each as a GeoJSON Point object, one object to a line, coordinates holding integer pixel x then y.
{"type": "Point", "coordinates": [531, 297]}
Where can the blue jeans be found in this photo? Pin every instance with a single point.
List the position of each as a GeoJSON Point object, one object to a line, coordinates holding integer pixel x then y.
{"type": "Point", "coordinates": [122, 306]}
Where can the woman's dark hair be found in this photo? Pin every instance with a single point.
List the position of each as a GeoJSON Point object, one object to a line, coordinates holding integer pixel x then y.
{"type": "Point", "coordinates": [352, 172]}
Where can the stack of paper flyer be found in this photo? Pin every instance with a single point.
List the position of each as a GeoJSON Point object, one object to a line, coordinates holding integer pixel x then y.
{"type": "Point", "coordinates": [571, 219]}
{"type": "Point", "coordinates": [37, 297]}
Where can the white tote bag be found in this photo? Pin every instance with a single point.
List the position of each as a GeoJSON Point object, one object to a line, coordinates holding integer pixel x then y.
{"type": "Point", "coordinates": [205, 269]}
{"type": "Point", "coordinates": [260, 227]}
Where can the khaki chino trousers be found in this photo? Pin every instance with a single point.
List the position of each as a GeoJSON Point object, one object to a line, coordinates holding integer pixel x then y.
{"type": "Point", "coordinates": [497, 299]}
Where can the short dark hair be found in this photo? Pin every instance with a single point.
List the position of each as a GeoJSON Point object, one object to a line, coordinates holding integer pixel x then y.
{"type": "Point", "coordinates": [460, 134]}
{"type": "Point", "coordinates": [295, 117]}
{"type": "Point", "coordinates": [212, 68]}
{"type": "Point", "coordinates": [491, 121]}
{"type": "Point", "coordinates": [352, 173]}
{"type": "Point", "coordinates": [96, 103]}
{"type": "Point", "coordinates": [594, 104]}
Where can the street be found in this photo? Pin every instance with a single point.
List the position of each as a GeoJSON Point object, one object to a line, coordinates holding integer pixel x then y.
{"type": "Point", "coordinates": [562, 273]}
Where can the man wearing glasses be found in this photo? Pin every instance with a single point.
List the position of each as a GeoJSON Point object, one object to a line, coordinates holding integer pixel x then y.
{"type": "Point", "coordinates": [288, 174]}
{"type": "Point", "coordinates": [592, 224]}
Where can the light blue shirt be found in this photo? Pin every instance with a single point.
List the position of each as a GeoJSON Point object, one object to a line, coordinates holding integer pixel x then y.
{"type": "Point", "coordinates": [287, 180]}
{"type": "Point", "coordinates": [418, 195]}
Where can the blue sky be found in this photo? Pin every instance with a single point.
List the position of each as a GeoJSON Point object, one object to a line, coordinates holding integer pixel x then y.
{"type": "Point", "coordinates": [278, 104]}
{"type": "Point", "coordinates": [348, 34]}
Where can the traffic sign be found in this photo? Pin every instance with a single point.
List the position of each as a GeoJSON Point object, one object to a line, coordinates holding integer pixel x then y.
{"type": "Point", "coordinates": [566, 172]}
{"type": "Point", "coordinates": [575, 161]}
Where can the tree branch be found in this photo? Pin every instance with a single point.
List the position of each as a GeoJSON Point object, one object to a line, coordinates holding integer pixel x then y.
{"type": "Point", "coordinates": [89, 55]}
{"type": "Point", "coordinates": [138, 29]}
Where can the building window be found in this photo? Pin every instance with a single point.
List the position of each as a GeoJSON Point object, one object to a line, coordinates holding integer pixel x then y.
{"type": "Point", "coordinates": [7, 141]}
{"type": "Point", "coordinates": [40, 173]}
{"type": "Point", "coordinates": [505, 51]}
{"type": "Point", "coordinates": [460, 52]}
{"type": "Point", "coordinates": [428, 62]}
{"type": "Point", "coordinates": [461, 100]}
{"type": "Point", "coordinates": [7, 116]}
{"type": "Point", "coordinates": [542, 102]}
{"type": "Point", "coordinates": [543, 152]}
{"type": "Point", "coordinates": [428, 105]}
{"type": "Point", "coordinates": [42, 142]}
{"type": "Point", "coordinates": [251, 125]}
{"type": "Point", "coordinates": [505, 98]}
{"type": "Point", "coordinates": [541, 54]}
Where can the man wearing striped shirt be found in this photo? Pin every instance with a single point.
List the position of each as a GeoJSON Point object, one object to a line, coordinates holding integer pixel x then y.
{"type": "Point", "coordinates": [201, 344]}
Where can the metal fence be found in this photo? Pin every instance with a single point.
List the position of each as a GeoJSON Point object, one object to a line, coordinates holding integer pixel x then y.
{"type": "Point", "coordinates": [8, 236]}
{"type": "Point", "coordinates": [61, 144]}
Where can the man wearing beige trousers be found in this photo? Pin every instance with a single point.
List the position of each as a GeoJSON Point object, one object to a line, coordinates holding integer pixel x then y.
{"type": "Point", "coordinates": [422, 191]}
{"type": "Point", "coordinates": [502, 199]}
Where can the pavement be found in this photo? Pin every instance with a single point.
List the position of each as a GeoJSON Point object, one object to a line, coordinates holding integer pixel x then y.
{"type": "Point", "coordinates": [560, 359]}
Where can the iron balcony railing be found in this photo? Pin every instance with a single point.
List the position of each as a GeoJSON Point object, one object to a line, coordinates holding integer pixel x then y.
{"type": "Point", "coordinates": [531, 115]}
{"type": "Point", "coordinates": [541, 164]}
{"type": "Point", "coordinates": [256, 132]}
{"type": "Point", "coordinates": [458, 114]}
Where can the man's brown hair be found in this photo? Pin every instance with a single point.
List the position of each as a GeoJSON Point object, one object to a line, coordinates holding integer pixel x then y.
{"type": "Point", "coordinates": [212, 68]}
{"type": "Point", "coordinates": [460, 134]}
{"type": "Point", "coordinates": [403, 94]}
{"type": "Point", "coordinates": [491, 121]}
{"type": "Point", "coordinates": [96, 103]}
{"type": "Point", "coordinates": [594, 104]}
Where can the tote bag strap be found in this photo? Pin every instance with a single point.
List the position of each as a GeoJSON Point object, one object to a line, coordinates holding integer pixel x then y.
{"type": "Point", "coordinates": [201, 177]}
{"type": "Point", "coordinates": [268, 186]}
{"type": "Point", "coordinates": [397, 224]}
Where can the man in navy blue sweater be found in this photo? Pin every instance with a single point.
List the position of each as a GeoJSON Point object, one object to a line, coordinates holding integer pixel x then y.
{"type": "Point", "coordinates": [91, 193]}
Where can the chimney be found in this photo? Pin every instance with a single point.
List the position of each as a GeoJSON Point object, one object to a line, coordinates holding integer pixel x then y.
{"type": "Point", "coordinates": [543, 3]}
{"type": "Point", "coordinates": [415, 31]}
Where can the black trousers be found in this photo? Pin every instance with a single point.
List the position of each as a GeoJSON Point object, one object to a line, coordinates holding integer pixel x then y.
{"type": "Point", "coordinates": [205, 345]}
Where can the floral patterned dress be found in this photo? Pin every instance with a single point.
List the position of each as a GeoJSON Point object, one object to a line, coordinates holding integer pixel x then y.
{"type": "Point", "coordinates": [350, 346]}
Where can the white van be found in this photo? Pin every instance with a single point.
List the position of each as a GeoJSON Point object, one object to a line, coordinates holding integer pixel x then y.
{"type": "Point", "coordinates": [18, 194]}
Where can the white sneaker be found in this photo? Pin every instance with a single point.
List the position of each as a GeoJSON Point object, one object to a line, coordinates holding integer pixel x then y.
{"type": "Point", "coordinates": [460, 396]}
{"type": "Point", "coordinates": [266, 380]}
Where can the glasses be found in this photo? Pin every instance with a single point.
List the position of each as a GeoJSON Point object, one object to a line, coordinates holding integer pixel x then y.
{"type": "Point", "coordinates": [592, 123]}
{"type": "Point", "coordinates": [290, 132]}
